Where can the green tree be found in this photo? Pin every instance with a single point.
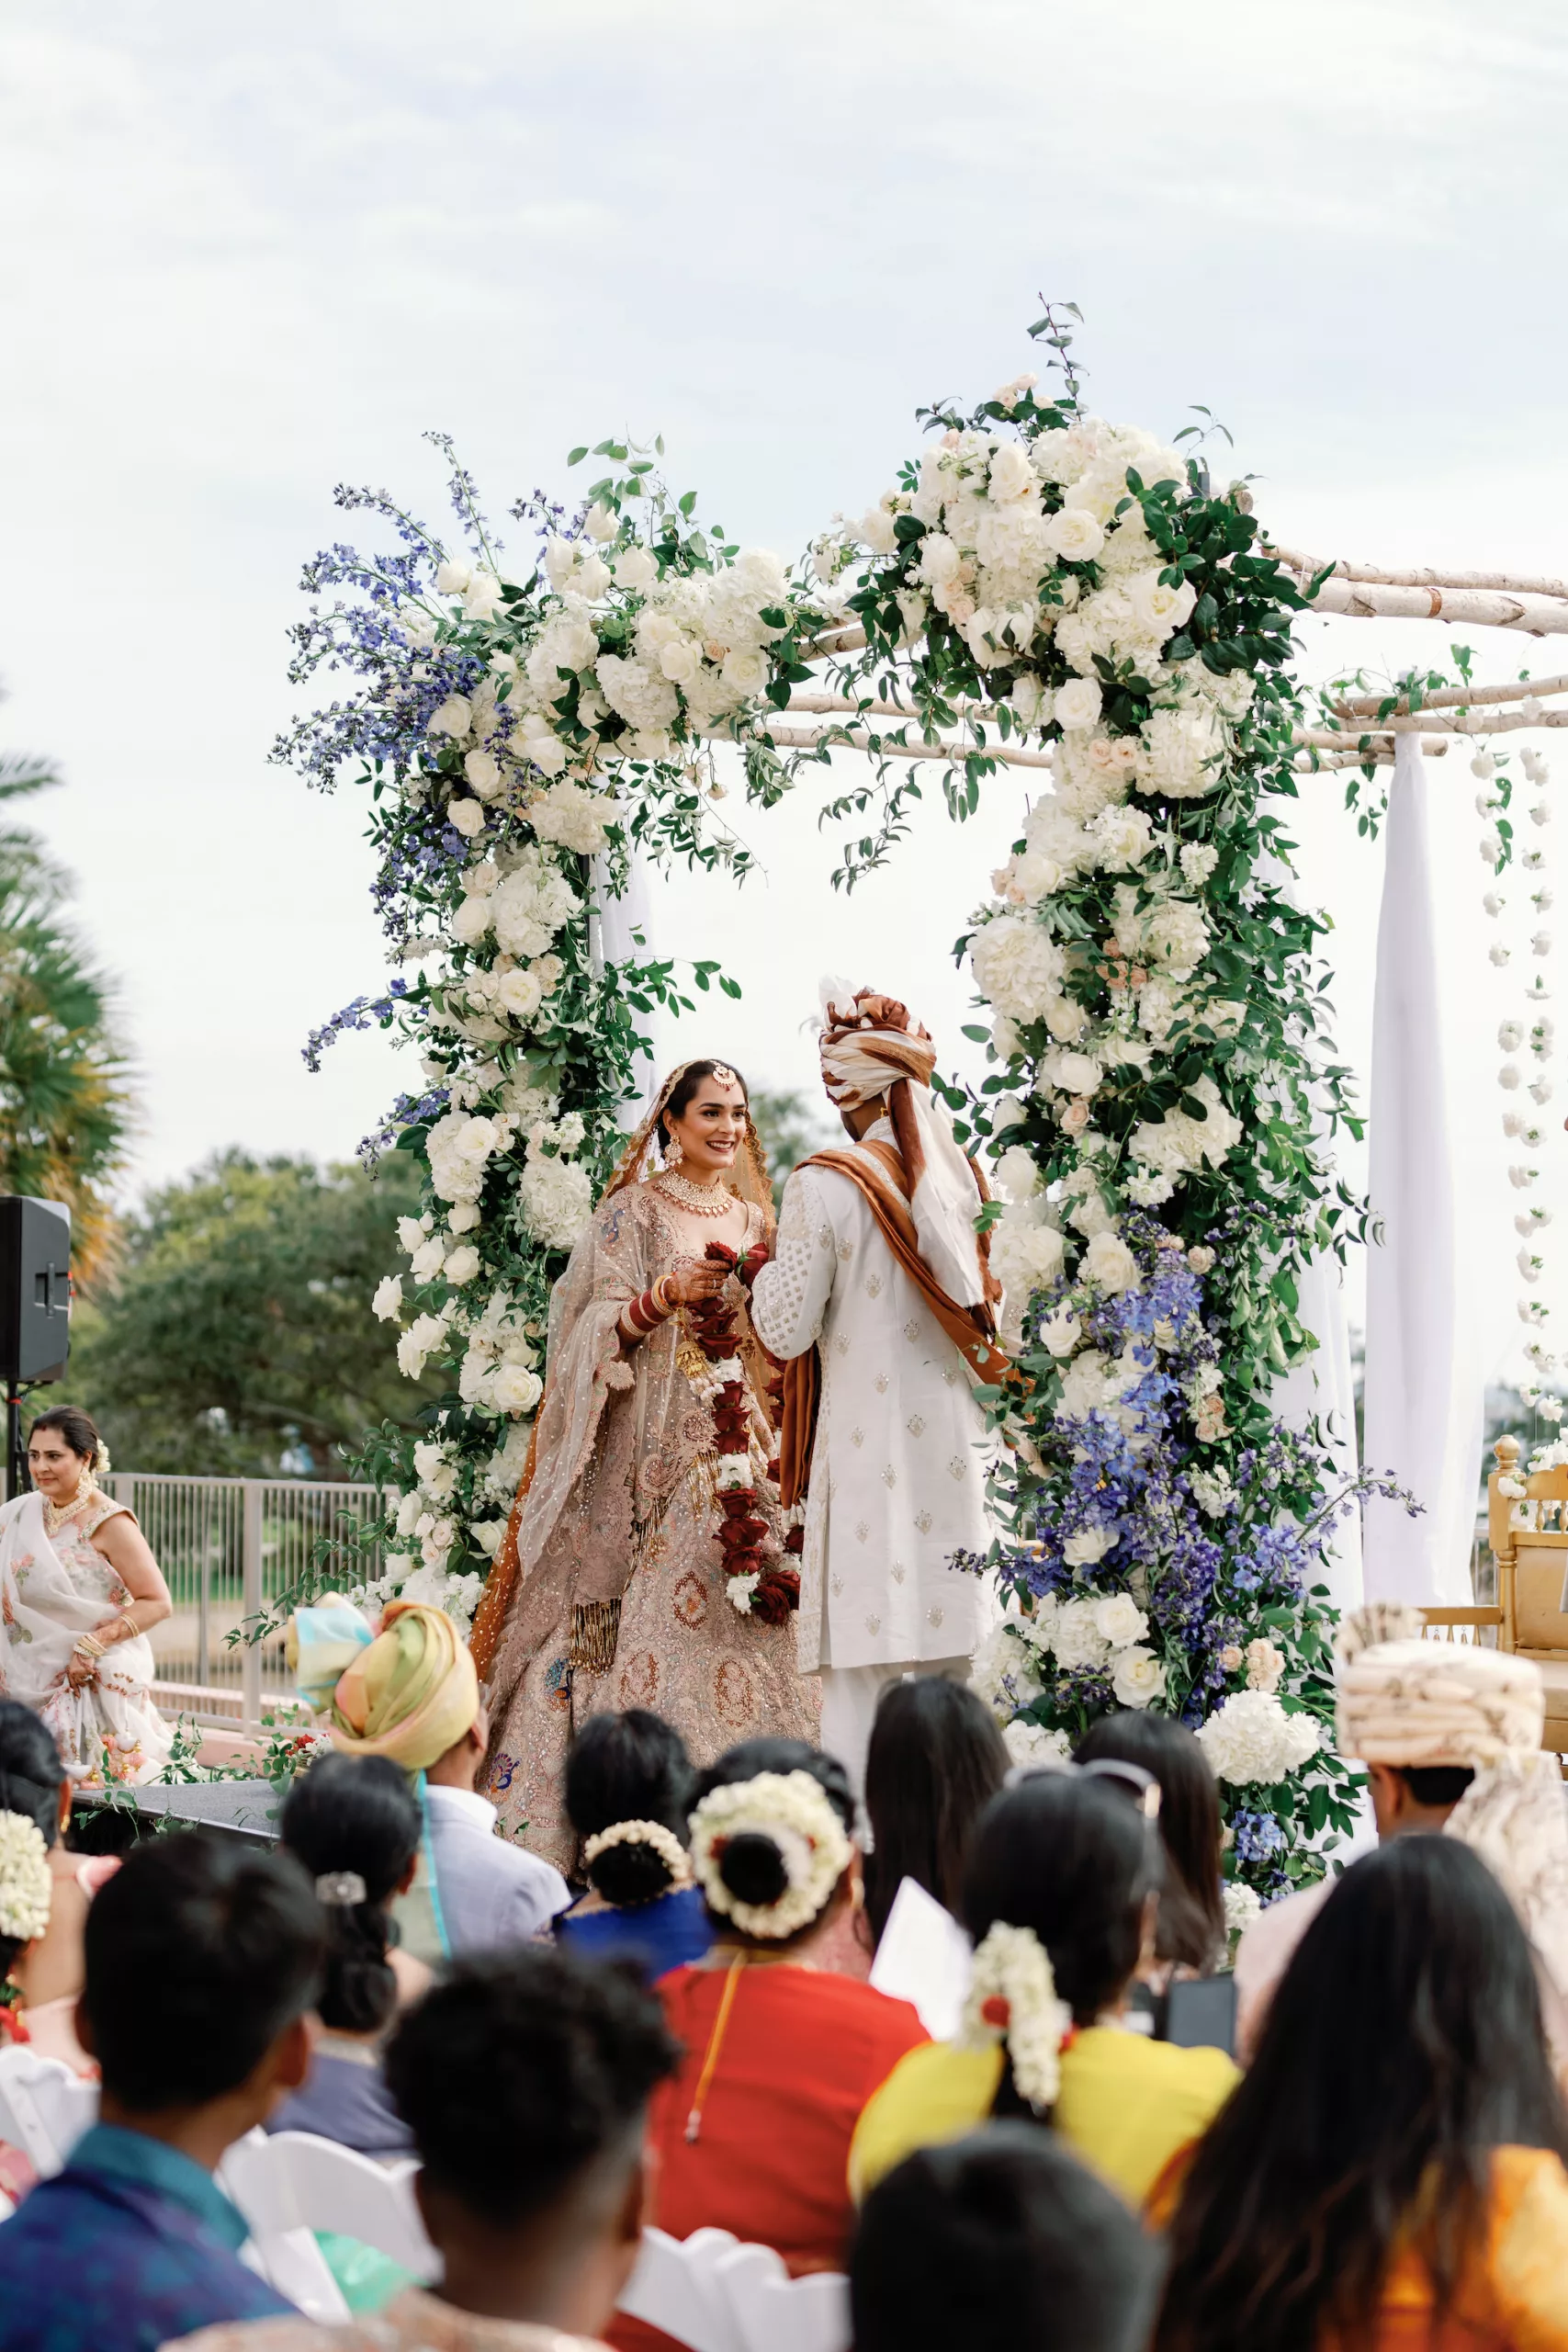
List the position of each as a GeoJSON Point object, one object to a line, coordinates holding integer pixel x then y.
{"type": "Point", "coordinates": [237, 1331]}
{"type": "Point", "coordinates": [791, 1127]}
{"type": "Point", "coordinates": [64, 1100]}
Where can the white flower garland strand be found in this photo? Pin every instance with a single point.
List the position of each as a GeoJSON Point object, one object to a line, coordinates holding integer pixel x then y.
{"type": "Point", "coordinates": [1012, 1998]}
{"type": "Point", "coordinates": [26, 1888]}
{"type": "Point", "coordinates": [651, 1834]}
{"type": "Point", "coordinates": [793, 1810]}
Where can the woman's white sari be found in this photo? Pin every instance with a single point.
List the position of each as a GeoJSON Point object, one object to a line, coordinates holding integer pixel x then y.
{"type": "Point", "coordinates": [52, 1591]}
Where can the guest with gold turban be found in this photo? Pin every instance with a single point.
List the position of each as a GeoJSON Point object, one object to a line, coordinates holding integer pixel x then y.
{"type": "Point", "coordinates": [1451, 1736]}
{"type": "Point", "coordinates": [410, 1692]}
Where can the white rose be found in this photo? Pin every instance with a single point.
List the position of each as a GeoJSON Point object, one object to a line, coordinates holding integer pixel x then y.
{"type": "Point", "coordinates": [427, 1262]}
{"type": "Point", "coordinates": [453, 716]}
{"type": "Point", "coordinates": [482, 770]}
{"type": "Point", "coordinates": [423, 1335]}
{"type": "Point", "coordinates": [518, 993]}
{"type": "Point", "coordinates": [635, 567]}
{"type": "Point", "coordinates": [940, 559]}
{"type": "Point", "coordinates": [1109, 1262]}
{"type": "Point", "coordinates": [592, 579]}
{"type": "Point", "coordinates": [1083, 1385]}
{"type": "Point", "coordinates": [1120, 1619]}
{"type": "Point", "coordinates": [452, 576]}
{"type": "Point", "coordinates": [1137, 1678]}
{"type": "Point", "coordinates": [514, 1389]}
{"type": "Point", "coordinates": [1078, 703]}
{"type": "Point", "coordinates": [1085, 1549]}
{"type": "Point", "coordinates": [466, 815]}
{"type": "Point", "coordinates": [561, 562]}
{"type": "Point", "coordinates": [875, 530]}
{"type": "Point", "coordinates": [745, 670]}
{"type": "Point", "coordinates": [1006, 1112]}
{"type": "Point", "coordinates": [1074, 1073]}
{"type": "Point", "coordinates": [1161, 610]}
{"type": "Point", "coordinates": [1061, 1330]}
{"type": "Point", "coordinates": [470, 922]}
{"type": "Point", "coordinates": [680, 661]}
{"type": "Point", "coordinates": [387, 1304]}
{"type": "Point", "coordinates": [412, 1231]}
{"type": "Point", "coordinates": [1074, 535]}
{"type": "Point", "coordinates": [601, 522]}
{"type": "Point", "coordinates": [482, 597]}
{"type": "Point", "coordinates": [1017, 1178]}
{"type": "Point", "coordinates": [463, 1217]}
{"type": "Point", "coordinates": [1028, 877]}
{"type": "Point", "coordinates": [1011, 475]}
{"type": "Point", "coordinates": [410, 1509]}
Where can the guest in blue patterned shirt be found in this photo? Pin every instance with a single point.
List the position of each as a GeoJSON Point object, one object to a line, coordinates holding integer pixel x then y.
{"type": "Point", "coordinates": [202, 1960]}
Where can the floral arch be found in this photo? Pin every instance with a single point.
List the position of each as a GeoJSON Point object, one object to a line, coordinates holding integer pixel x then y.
{"type": "Point", "coordinates": [1038, 590]}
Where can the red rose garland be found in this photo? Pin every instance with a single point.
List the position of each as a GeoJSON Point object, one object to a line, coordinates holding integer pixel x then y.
{"type": "Point", "coordinates": [775, 1590]}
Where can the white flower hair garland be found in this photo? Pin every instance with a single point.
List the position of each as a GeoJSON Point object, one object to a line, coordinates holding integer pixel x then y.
{"type": "Point", "coordinates": [793, 1810]}
{"type": "Point", "coordinates": [1013, 1998]}
{"type": "Point", "coordinates": [651, 1834]}
{"type": "Point", "coordinates": [26, 1886]}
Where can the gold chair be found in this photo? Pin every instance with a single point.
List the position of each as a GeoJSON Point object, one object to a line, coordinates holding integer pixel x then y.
{"type": "Point", "coordinates": [1530, 1543]}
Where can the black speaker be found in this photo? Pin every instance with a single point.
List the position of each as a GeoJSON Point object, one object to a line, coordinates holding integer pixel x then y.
{"type": "Point", "coordinates": [35, 1289]}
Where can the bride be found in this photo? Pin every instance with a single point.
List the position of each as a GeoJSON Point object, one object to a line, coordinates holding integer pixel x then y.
{"type": "Point", "coordinates": [643, 1564]}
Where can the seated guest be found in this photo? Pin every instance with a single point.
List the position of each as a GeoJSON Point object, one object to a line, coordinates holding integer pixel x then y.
{"type": "Point", "coordinates": [1060, 1897]}
{"type": "Point", "coordinates": [1450, 1736]}
{"type": "Point", "coordinates": [1390, 2172]}
{"type": "Point", "coordinates": [1189, 1940]}
{"type": "Point", "coordinates": [627, 1778]}
{"type": "Point", "coordinates": [202, 1960]}
{"type": "Point", "coordinates": [1001, 2238]}
{"type": "Point", "coordinates": [753, 2132]}
{"type": "Point", "coordinates": [524, 2077]}
{"type": "Point", "coordinates": [45, 1969]}
{"type": "Point", "coordinates": [936, 1759]}
{"type": "Point", "coordinates": [354, 1823]}
{"type": "Point", "coordinates": [411, 1694]}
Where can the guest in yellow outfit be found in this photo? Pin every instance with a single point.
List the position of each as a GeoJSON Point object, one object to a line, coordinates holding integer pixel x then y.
{"type": "Point", "coordinates": [410, 1693]}
{"type": "Point", "coordinates": [1061, 1896]}
{"type": "Point", "coordinates": [1391, 2174]}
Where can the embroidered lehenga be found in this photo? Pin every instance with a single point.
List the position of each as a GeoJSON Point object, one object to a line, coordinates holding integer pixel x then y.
{"type": "Point", "coordinates": [611, 1589]}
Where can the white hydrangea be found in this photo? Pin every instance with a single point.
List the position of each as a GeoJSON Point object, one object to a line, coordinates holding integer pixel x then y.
{"type": "Point", "coordinates": [1018, 967]}
{"type": "Point", "coordinates": [1032, 1744]}
{"type": "Point", "coordinates": [1175, 937]}
{"type": "Point", "coordinates": [556, 1197]}
{"type": "Point", "coordinates": [573, 817]}
{"type": "Point", "coordinates": [1003, 1672]}
{"type": "Point", "coordinates": [1183, 753]}
{"type": "Point", "coordinates": [1251, 1738]}
{"type": "Point", "coordinates": [643, 696]}
{"type": "Point", "coordinates": [1178, 1143]}
{"type": "Point", "coordinates": [530, 903]}
{"type": "Point", "coordinates": [1242, 1906]}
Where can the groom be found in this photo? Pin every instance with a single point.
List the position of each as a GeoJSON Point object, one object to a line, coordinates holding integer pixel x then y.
{"type": "Point", "coordinates": [879, 1298]}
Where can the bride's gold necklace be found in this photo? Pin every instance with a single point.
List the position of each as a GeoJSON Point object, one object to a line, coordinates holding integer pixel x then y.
{"type": "Point", "coordinates": [703, 1200]}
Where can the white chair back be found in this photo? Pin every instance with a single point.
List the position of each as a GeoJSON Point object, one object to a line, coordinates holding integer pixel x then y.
{"type": "Point", "coordinates": [44, 2108]}
{"type": "Point", "coordinates": [293, 2180]}
{"type": "Point", "coordinates": [714, 2294]}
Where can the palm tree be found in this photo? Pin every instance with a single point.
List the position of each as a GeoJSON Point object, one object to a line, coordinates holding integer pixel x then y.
{"type": "Point", "coordinates": [64, 1100]}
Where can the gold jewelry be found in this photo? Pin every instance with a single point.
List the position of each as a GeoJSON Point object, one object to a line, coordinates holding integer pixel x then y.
{"type": "Point", "coordinates": [55, 1515]}
{"type": "Point", "coordinates": [700, 1198]}
{"type": "Point", "coordinates": [88, 1645]}
{"type": "Point", "coordinates": [673, 1154]}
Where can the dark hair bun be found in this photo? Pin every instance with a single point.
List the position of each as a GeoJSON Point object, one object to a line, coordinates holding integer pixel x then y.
{"type": "Point", "coordinates": [753, 1867]}
{"type": "Point", "coordinates": [629, 1872]}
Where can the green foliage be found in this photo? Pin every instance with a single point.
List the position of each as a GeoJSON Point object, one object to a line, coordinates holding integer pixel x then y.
{"type": "Point", "coordinates": [65, 1099]}
{"type": "Point", "coordinates": [237, 1327]}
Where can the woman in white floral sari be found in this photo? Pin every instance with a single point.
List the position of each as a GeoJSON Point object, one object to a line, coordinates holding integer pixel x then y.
{"type": "Point", "coordinates": [78, 1591]}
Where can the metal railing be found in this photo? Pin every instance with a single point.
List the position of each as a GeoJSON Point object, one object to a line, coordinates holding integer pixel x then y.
{"type": "Point", "coordinates": [228, 1548]}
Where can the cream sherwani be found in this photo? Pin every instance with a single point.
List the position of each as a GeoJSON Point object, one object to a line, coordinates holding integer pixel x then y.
{"type": "Point", "coordinates": [899, 1469]}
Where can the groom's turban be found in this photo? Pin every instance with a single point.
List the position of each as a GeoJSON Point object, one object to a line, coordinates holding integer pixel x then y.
{"type": "Point", "coordinates": [871, 1046]}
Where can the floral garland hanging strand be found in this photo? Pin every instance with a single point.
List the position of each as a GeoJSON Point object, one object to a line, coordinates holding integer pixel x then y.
{"type": "Point", "coordinates": [751, 1588]}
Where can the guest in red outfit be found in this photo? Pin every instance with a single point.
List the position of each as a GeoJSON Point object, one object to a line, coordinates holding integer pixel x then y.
{"type": "Point", "coordinates": [752, 2134]}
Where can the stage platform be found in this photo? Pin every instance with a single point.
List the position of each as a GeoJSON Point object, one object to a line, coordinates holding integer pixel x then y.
{"type": "Point", "coordinates": [246, 1809]}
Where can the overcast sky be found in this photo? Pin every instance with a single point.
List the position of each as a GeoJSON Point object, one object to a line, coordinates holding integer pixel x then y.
{"type": "Point", "coordinates": [256, 250]}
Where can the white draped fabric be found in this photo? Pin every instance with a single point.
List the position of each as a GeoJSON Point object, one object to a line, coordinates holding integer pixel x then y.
{"type": "Point", "coordinates": [612, 923]}
{"type": "Point", "coordinates": [1324, 1385]}
{"type": "Point", "coordinates": [1424, 1378]}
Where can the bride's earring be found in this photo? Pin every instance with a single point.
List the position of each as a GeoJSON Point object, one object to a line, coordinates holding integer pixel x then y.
{"type": "Point", "coordinates": [674, 1154]}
